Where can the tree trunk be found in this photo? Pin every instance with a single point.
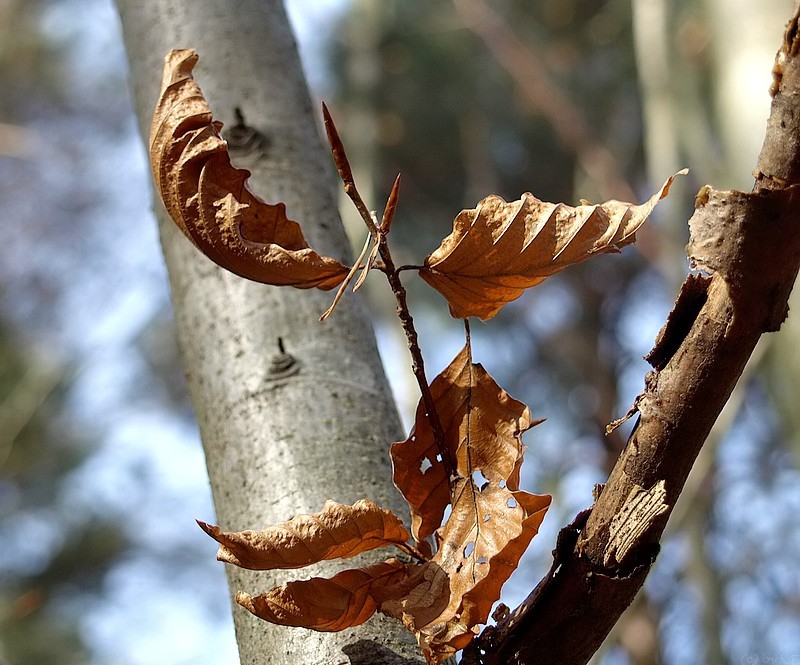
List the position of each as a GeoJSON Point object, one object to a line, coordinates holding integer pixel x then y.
{"type": "Point", "coordinates": [278, 440]}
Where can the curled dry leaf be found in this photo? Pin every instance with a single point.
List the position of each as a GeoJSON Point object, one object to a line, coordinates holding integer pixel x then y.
{"type": "Point", "coordinates": [338, 532]}
{"type": "Point", "coordinates": [208, 198]}
{"type": "Point", "coordinates": [499, 249]}
{"type": "Point", "coordinates": [492, 521]}
{"type": "Point", "coordinates": [344, 601]}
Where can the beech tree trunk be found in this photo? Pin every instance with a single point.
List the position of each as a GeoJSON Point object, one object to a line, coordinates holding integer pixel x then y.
{"type": "Point", "coordinates": [282, 431]}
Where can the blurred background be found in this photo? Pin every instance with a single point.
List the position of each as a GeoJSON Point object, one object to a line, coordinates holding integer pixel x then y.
{"type": "Point", "coordinates": [101, 469]}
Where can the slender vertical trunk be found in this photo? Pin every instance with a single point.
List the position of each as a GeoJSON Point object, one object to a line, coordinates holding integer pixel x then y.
{"type": "Point", "coordinates": [741, 92]}
{"type": "Point", "coordinates": [278, 440]}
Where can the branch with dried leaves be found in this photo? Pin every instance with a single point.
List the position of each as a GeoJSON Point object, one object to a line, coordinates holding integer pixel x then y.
{"type": "Point", "coordinates": [747, 249]}
{"type": "Point", "coordinates": [465, 451]}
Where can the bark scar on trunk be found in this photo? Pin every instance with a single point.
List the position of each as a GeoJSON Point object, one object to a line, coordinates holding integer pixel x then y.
{"type": "Point", "coordinates": [637, 515]}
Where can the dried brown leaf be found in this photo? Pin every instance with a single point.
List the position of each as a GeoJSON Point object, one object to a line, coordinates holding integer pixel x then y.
{"type": "Point", "coordinates": [499, 249]}
{"type": "Point", "coordinates": [444, 600]}
{"type": "Point", "coordinates": [482, 425]}
{"type": "Point", "coordinates": [208, 198]}
{"type": "Point", "coordinates": [344, 601]}
{"type": "Point", "coordinates": [338, 532]}
{"type": "Point", "coordinates": [492, 522]}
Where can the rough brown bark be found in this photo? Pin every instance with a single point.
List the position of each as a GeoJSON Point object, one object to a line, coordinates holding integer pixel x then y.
{"type": "Point", "coordinates": [748, 249]}
{"type": "Point", "coordinates": [282, 431]}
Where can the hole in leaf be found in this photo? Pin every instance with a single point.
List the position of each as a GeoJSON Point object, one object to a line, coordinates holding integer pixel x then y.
{"type": "Point", "coordinates": [482, 559]}
{"type": "Point", "coordinates": [448, 510]}
{"type": "Point", "coordinates": [425, 465]}
{"type": "Point", "coordinates": [479, 479]}
{"type": "Point", "coordinates": [486, 518]}
{"type": "Point", "coordinates": [512, 503]}
{"type": "Point", "coordinates": [469, 549]}
{"type": "Point", "coordinates": [439, 457]}
{"type": "Point", "coordinates": [503, 483]}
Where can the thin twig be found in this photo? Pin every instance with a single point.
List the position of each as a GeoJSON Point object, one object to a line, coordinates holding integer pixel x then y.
{"type": "Point", "coordinates": [346, 281]}
{"type": "Point", "coordinates": [392, 275]}
{"type": "Point", "coordinates": [417, 363]}
{"type": "Point", "coordinates": [345, 172]}
{"type": "Point", "coordinates": [383, 229]}
{"type": "Point", "coordinates": [412, 552]}
{"type": "Point", "coordinates": [373, 255]}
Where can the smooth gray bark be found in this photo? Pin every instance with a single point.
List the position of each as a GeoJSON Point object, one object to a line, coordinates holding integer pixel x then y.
{"type": "Point", "coordinates": [276, 445]}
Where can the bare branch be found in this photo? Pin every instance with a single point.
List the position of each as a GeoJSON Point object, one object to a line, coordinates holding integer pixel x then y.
{"type": "Point", "coordinates": [543, 96]}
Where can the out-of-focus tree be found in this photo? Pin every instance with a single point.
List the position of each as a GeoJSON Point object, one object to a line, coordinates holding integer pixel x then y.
{"type": "Point", "coordinates": [87, 356]}
{"type": "Point", "coordinates": [39, 569]}
{"type": "Point", "coordinates": [50, 558]}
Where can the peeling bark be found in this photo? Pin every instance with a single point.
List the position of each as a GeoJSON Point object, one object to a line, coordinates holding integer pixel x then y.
{"type": "Point", "coordinates": [748, 247]}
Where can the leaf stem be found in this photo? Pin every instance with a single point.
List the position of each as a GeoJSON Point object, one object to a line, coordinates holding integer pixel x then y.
{"type": "Point", "coordinates": [411, 551]}
{"type": "Point", "coordinates": [348, 279]}
{"type": "Point", "coordinates": [417, 363]}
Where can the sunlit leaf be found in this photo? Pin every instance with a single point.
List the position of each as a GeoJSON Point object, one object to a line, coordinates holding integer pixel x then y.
{"type": "Point", "coordinates": [338, 532]}
{"type": "Point", "coordinates": [483, 426]}
{"type": "Point", "coordinates": [333, 604]}
{"type": "Point", "coordinates": [491, 523]}
{"type": "Point", "coordinates": [209, 200]}
{"type": "Point", "coordinates": [500, 248]}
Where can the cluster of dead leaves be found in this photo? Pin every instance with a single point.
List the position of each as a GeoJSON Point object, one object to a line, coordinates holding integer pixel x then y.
{"type": "Point", "coordinates": [459, 564]}
{"type": "Point", "coordinates": [441, 597]}
{"type": "Point", "coordinates": [494, 253]}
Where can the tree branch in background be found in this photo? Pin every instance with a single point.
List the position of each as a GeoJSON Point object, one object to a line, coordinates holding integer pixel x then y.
{"type": "Point", "coordinates": [525, 66]}
{"type": "Point", "coordinates": [747, 247]}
